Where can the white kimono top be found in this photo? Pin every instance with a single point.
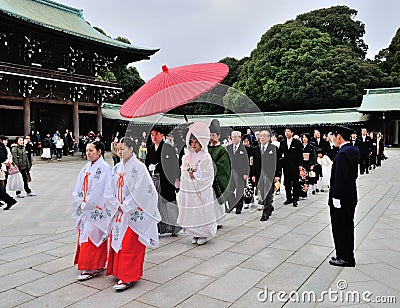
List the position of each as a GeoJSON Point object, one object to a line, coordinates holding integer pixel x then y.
{"type": "Point", "coordinates": [196, 198]}
{"type": "Point", "coordinates": [92, 218]}
{"type": "Point", "coordinates": [131, 189]}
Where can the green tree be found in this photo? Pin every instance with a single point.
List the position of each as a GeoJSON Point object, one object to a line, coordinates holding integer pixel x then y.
{"type": "Point", "coordinates": [123, 40]}
{"type": "Point", "coordinates": [338, 22]}
{"type": "Point", "coordinates": [100, 30]}
{"type": "Point", "coordinates": [130, 81]}
{"type": "Point", "coordinates": [388, 59]}
{"type": "Point", "coordinates": [308, 64]}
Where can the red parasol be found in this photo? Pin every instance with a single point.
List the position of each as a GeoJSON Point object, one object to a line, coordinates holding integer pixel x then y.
{"type": "Point", "coordinates": [172, 88]}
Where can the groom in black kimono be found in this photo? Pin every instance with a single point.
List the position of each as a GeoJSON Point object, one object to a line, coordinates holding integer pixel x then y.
{"type": "Point", "coordinates": [162, 163]}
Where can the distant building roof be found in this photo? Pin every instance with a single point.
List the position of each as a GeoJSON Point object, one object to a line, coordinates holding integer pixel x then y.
{"type": "Point", "coordinates": [384, 99]}
{"type": "Point", "coordinates": [275, 119]}
{"type": "Point", "coordinates": [62, 18]}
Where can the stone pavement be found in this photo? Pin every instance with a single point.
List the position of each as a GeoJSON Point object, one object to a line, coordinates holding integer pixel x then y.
{"type": "Point", "coordinates": [247, 261]}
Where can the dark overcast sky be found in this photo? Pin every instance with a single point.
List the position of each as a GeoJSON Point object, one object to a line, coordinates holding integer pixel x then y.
{"type": "Point", "coordinates": [196, 31]}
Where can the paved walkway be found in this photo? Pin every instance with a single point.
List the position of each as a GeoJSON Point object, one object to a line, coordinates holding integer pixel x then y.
{"type": "Point", "coordinates": [247, 260]}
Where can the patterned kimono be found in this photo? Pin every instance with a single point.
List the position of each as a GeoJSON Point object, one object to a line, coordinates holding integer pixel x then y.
{"type": "Point", "coordinates": [131, 194]}
{"type": "Point", "coordinates": [92, 218]}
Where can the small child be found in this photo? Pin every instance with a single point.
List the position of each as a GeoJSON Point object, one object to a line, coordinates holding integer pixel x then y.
{"type": "Point", "coordinates": [326, 165]}
{"type": "Point", "coordinates": [142, 153]}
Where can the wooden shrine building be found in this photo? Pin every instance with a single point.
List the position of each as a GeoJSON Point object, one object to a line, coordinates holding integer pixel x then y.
{"type": "Point", "coordinates": [49, 60]}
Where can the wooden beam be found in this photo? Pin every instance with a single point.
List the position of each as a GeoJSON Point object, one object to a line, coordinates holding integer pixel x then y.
{"type": "Point", "coordinates": [11, 107]}
{"type": "Point", "coordinates": [27, 116]}
{"type": "Point", "coordinates": [88, 104]}
{"type": "Point", "coordinates": [88, 111]}
{"type": "Point", "coordinates": [11, 98]}
{"type": "Point", "coordinates": [51, 101]}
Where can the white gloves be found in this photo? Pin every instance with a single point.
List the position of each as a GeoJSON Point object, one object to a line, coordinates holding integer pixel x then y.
{"type": "Point", "coordinates": [336, 203]}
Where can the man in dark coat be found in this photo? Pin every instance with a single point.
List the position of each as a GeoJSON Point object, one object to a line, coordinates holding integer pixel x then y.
{"type": "Point", "coordinates": [222, 169]}
{"type": "Point", "coordinates": [239, 172]}
{"type": "Point", "coordinates": [266, 171]}
{"type": "Point", "coordinates": [364, 145]}
{"type": "Point", "coordinates": [162, 163]}
{"type": "Point", "coordinates": [319, 142]}
{"type": "Point", "coordinates": [343, 197]}
{"type": "Point", "coordinates": [291, 156]}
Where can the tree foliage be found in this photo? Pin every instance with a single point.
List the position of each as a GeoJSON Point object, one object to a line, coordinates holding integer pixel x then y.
{"type": "Point", "coordinates": [123, 40]}
{"type": "Point", "coordinates": [130, 81]}
{"type": "Point", "coordinates": [388, 59]}
{"type": "Point", "coordinates": [314, 61]}
{"type": "Point", "coordinates": [338, 22]}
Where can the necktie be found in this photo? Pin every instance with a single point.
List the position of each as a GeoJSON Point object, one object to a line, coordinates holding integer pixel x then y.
{"type": "Point", "coordinates": [234, 149]}
{"type": "Point", "coordinates": [263, 149]}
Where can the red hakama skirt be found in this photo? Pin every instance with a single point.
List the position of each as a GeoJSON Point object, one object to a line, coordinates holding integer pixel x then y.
{"type": "Point", "coordinates": [127, 264]}
{"type": "Point", "coordinates": [89, 257]}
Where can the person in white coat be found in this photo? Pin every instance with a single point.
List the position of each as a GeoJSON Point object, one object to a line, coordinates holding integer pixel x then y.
{"type": "Point", "coordinates": [132, 196]}
{"type": "Point", "coordinates": [196, 198]}
{"type": "Point", "coordinates": [92, 218]}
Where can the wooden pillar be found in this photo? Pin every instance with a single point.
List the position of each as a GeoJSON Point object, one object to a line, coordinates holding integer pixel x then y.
{"type": "Point", "coordinates": [75, 120]}
{"type": "Point", "coordinates": [27, 116]}
{"type": "Point", "coordinates": [99, 119]}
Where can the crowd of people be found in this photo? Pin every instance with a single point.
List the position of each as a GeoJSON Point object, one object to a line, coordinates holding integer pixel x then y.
{"type": "Point", "coordinates": [157, 187]}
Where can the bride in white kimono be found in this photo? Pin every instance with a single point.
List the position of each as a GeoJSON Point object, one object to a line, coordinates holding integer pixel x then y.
{"type": "Point", "coordinates": [131, 194]}
{"type": "Point", "coordinates": [196, 198]}
{"type": "Point", "coordinates": [92, 218]}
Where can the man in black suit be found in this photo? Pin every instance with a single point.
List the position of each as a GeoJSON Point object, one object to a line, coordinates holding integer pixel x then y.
{"type": "Point", "coordinates": [364, 145]}
{"type": "Point", "coordinates": [343, 197]}
{"type": "Point", "coordinates": [319, 142]}
{"type": "Point", "coordinates": [239, 172]}
{"type": "Point", "coordinates": [266, 171]}
{"type": "Point", "coordinates": [353, 138]}
{"type": "Point", "coordinates": [291, 155]}
{"type": "Point", "coordinates": [162, 163]}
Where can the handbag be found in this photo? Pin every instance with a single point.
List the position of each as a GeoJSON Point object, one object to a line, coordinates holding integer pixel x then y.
{"type": "Point", "coordinates": [12, 169]}
{"type": "Point", "coordinates": [15, 182]}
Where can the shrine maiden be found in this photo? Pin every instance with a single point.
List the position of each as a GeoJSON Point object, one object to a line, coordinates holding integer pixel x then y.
{"type": "Point", "coordinates": [131, 194]}
{"type": "Point", "coordinates": [92, 218]}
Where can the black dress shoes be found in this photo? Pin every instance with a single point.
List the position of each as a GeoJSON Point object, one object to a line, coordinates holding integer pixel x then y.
{"type": "Point", "coordinates": [9, 205]}
{"type": "Point", "coordinates": [238, 211]}
{"type": "Point", "coordinates": [287, 202]}
{"type": "Point", "coordinates": [295, 203]}
{"type": "Point", "coordinates": [340, 262]}
{"type": "Point", "coordinates": [264, 218]}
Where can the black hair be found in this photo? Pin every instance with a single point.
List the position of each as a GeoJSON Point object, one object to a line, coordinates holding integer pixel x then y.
{"type": "Point", "coordinates": [246, 136]}
{"type": "Point", "coordinates": [99, 146]}
{"type": "Point", "coordinates": [2, 137]}
{"type": "Point", "coordinates": [128, 141]}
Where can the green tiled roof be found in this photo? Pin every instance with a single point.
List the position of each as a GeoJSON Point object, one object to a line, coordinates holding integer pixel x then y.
{"type": "Point", "coordinates": [386, 99]}
{"type": "Point", "coordinates": [282, 118]}
{"type": "Point", "coordinates": [62, 18]}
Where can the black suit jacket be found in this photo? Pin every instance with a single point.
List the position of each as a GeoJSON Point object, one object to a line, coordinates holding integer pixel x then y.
{"type": "Point", "coordinates": [344, 175]}
{"type": "Point", "coordinates": [167, 165]}
{"type": "Point", "coordinates": [291, 158]}
{"type": "Point", "coordinates": [322, 144]}
{"type": "Point", "coordinates": [364, 146]}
